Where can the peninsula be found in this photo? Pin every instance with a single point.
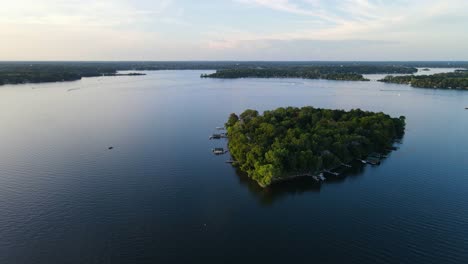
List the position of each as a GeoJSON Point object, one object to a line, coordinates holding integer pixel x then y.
{"type": "Point", "coordinates": [336, 72]}
{"type": "Point", "coordinates": [41, 73]}
{"type": "Point", "coordinates": [292, 141]}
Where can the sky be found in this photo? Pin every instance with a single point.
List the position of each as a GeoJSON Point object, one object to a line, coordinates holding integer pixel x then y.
{"type": "Point", "coordinates": [322, 30]}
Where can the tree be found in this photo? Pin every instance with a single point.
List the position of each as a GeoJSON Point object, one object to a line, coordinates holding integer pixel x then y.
{"type": "Point", "coordinates": [293, 140]}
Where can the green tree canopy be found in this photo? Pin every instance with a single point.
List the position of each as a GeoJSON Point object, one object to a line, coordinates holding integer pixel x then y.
{"type": "Point", "coordinates": [291, 140]}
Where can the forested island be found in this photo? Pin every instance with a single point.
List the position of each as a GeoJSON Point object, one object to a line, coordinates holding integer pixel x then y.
{"type": "Point", "coordinates": [291, 141]}
{"type": "Point", "coordinates": [341, 72]}
{"type": "Point", "coordinates": [454, 80]}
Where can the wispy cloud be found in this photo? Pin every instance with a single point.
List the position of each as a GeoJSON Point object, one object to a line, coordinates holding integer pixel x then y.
{"type": "Point", "coordinates": [311, 9]}
{"type": "Point", "coordinates": [103, 13]}
{"type": "Point", "coordinates": [230, 29]}
{"type": "Point", "coordinates": [349, 19]}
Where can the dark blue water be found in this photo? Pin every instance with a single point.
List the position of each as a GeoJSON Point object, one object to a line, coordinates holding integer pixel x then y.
{"type": "Point", "coordinates": [160, 196]}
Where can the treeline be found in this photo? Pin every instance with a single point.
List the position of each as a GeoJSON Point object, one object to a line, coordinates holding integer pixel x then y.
{"type": "Point", "coordinates": [17, 73]}
{"type": "Point", "coordinates": [283, 73]}
{"type": "Point", "coordinates": [454, 80]}
{"type": "Point", "coordinates": [351, 73]}
{"type": "Point", "coordinates": [290, 141]}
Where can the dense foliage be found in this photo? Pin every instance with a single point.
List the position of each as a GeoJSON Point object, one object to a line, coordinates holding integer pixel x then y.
{"type": "Point", "coordinates": [338, 72]}
{"type": "Point", "coordinates": [289, 141]}
{"type": "Point", "coordinates": [21, 72]}
{"type": "Point", "coordinates": [37, 73]}
{"type": "Point", "coordinates": [305, 73]}
{"type": "Point", "coordinates": [455, 80]}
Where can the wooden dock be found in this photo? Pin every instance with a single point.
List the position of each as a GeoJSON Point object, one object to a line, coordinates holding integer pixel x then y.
{"type": "Point", "coordinates": [218, 136]}
{"type": "Point", "coordinates": [331, 172]}
{"type": "Point", "coordinates": [219, 151]}
{"type": "Point", "coordinates": [316, 178]}
{"type": "Point", "coordinates": [346, 165]}
{"type": "Point", "coordinates": [371, 161]}
{"type": "Point", "coordinates": [377, 155]}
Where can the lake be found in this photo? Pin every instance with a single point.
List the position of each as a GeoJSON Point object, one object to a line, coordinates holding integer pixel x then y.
{"type": "Point", "coordinates": [161, 196]}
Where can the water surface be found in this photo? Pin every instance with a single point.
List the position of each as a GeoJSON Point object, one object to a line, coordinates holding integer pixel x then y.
{"type": "Point", "coordinates": [160, 196]}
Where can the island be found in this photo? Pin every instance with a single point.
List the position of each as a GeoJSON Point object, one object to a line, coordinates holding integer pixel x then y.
{"type": "Point", "coordinates": [338, 72]}
{"type": "Point", "coordinates": [289, 142]}
{"type": "Point", "coordinates": [453, 80]}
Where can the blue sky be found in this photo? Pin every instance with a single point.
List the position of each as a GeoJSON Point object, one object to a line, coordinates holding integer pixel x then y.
{"type": "Point", "coordinates": [234, 30]}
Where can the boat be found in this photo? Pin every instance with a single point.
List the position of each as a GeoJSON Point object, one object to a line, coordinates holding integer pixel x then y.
{"type": "Point", "coordinates": [215, 136]}
{"type": "Point", "coordinates": [321, 177]}
{"type": "Point", "coordinates": [373, 161]}
{"type": "Point", "coordinates": [218, 151]}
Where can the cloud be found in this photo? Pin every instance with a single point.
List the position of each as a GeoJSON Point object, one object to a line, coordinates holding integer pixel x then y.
{"type": "Point", "coordinates": [290, 7]}
{"type": "Point", "coordinates": [230, 29]}
{"type": "Point", "coordinates": [355, 19]}
{"type": "Point", "coordinates": [61, 42]}
{"type": "Point", "coordinates": [83, 13]}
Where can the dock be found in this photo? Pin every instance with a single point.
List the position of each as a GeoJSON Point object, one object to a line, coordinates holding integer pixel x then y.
{"type": "Point", "coordinates": [373, 161]}
{"type": "Point", "coordinates": [377, 155]}
{"type": "Point", "coordinates": [346, 165]}
{"type": "Point", "coordinates": [219, 151]}
{"type": "Point", "coordinates": [318, 178]}
{"type": "Point", "coordinates": [331, 172]}
{"type": "Point", "coordinates": [218, 136]}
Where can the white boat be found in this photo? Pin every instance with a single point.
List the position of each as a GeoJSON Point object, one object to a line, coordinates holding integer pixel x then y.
{"type": "Point", "coordinates": [321, 177]}
{"type": "Point", "coordinates": [219, 151]}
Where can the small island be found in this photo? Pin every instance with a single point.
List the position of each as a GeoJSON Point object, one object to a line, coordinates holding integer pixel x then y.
{"type": "Point", "coordinates": [453, 80]}
{"type": "Point", "coordinates": [295, 141]}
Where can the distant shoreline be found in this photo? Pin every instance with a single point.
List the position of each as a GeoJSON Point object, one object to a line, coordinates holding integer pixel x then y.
{"type": "Point", "coordinates": [23, 72]}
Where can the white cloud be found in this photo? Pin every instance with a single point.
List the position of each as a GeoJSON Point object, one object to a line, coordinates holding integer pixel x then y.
{"type": "Point", "coordinates": [103, 13]}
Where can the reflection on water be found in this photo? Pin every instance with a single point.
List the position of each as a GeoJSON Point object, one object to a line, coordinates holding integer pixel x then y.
{"type": "Point", "coordinates": [267, 196]}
